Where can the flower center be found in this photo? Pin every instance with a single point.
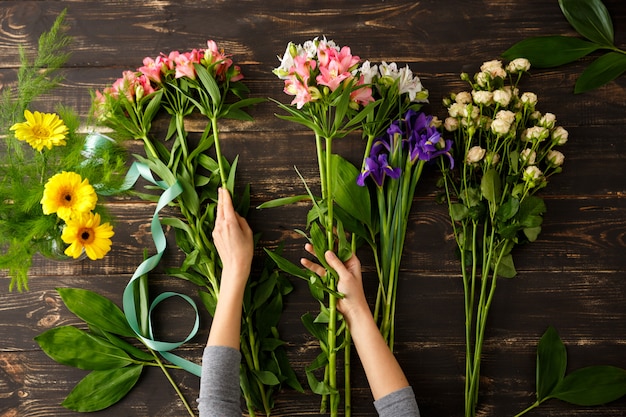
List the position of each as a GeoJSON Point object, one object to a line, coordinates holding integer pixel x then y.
{"type": "Point", "coordinates": [41, 132]}
{"type": "Point", "coordinates": [86, 236]}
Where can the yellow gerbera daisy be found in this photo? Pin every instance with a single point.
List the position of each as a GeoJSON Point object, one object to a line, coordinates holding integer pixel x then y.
{"type": "Point", "coordinates": [41, 130]}
{"type": "Point", "coordinates": [67, 194]}
{"type": "Point", "coordinates": [84, 232]}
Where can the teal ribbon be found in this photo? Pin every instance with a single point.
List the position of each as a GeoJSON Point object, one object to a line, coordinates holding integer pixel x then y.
{"type": "Point", "coordinates": [170, 192]}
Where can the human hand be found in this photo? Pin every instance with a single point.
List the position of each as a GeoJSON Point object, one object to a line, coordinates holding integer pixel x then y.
{"type": "Point", "coordinates": [233, 238]}
{"type": "Point", "coordinates": [350, 283]}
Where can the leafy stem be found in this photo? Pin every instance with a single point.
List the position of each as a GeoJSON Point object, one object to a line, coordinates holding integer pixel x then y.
{"type": "Point", "coordinates": [174, 385]}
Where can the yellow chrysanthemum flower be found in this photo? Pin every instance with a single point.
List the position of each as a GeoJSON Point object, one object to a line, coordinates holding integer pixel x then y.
{"type": "Point", "coordinates": [41, 130]}
{"type": "Point", "coordinates": [67, 194]}
{"type": "Point", "coordinates": [84, 232]}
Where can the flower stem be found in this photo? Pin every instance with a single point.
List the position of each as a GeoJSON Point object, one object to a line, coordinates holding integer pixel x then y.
{"type": "Point", "coordinates": [169, 378]}
{"type": "Point", "coordinates": [218, 151]}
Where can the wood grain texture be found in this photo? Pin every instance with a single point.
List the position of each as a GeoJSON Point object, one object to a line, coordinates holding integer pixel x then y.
{"type": "Point", "coordinates": [572, 278]}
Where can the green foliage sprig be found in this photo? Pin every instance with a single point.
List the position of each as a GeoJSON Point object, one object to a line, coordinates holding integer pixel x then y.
{"type": "Point", "coordinates": [588, 386]}
{"type": "Point", "coordinates": [24, 229]}
{"type": "Point", "coordinates": [115, 365]}
{"type": "Point", "coordinates": [592, 21]}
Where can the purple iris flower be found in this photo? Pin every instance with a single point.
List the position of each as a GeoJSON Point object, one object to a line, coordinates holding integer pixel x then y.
{"type": "Point", "coordinates": [423, 140]}
{"type": "Point", "coordinates": [377, 166]}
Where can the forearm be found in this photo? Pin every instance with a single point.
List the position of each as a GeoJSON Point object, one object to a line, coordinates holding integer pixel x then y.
{"type": "Point", "coordinates": [226, 325]}
{"type": "Point", "coordinates": [383, 372]}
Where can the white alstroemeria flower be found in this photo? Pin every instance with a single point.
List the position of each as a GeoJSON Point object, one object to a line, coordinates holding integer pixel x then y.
{"type": "Point", "coordinates": [555, 158]}
{"type": "Point", "coordinates": [475, 155]}
{"type": "Point", "coordinates": [559, 136]}
{"type": "Point", "coordinates": [528, 157]}
{"type": "Point", "coordinates": [286, 62]}
{"type": "Point", "coordinates": [493, 68]}
{"type": "Point", "coordinates": [518, 65]}
{"type": "Point", "coordinates": [407, 83]}
{"type": "Point", "coordinates": [502, 96]}
{"type": "Point", "coordinates": [482, 97]}
{"type": "Point", "coordinates": [309, 48]}
{"type": "Point", "coordinates": [388, 70]}
{"type": "Point", "coordinates": [368, 71]}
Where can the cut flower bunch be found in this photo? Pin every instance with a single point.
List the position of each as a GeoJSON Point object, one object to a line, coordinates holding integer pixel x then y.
{"type": "Point", "coordinates": [46, 166]}
{"type": "Point", "coordinates": [505, 152]}
{"type": "Point", "coordinates": [331, 98]}
{"type": "Point", "coordinates": [201, 83]}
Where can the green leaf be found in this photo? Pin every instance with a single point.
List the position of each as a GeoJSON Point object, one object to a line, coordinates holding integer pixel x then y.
{"type": "Point", "coordinates": [458, 211]}
{"type": "Point", "coordinates": [550, 51]}
{"type": "Point", "coordinates": [209, 83]}
{"type": "Point", "coordinates": [209, 301]}
{"type": "Point", "coordinates": [96, 310]}
{"type": "Point", "coordinates": [279, 202]}
{"type": "Point", "coordinates": [266, 377]}
{"type": "Point", "coordinates": [73, 347]}
{"type": "Point", "coordinates": [354, 199]}
{"type": "Point", "coordinates": [491, 186]}
{"type": "Point", "coordinates": [506, 267]}
{"type": "Point", "coordinates": [601, 71]}
{"type": "Point", "coordinates": [287, 266]}
{"type": "Point", "coordinates": [593, 385]}
{"type": "Point", "coordinates": [532, 233]}
{"type": "Point", "coordinates": [101, 389]}
{"type": "Point", "coordinates": [590, 18]}
{"type": "Point", "coordinates": [509, 209]}
{"type": "Point", "coordinates": [551, 363]}
{"type": "Point", "coordinates": [318, 387]}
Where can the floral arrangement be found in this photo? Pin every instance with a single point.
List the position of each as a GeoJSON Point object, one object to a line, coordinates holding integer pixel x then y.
{"type": "Point", "coordinates": [505, 151]}
{"type": "Point", "coordinates": [592, 21]}
{"type": "Point", "coordinates": [331, 98]}
{"type": "Point", "coordinates": [51, 164]}
{"type": "Point", "coordinates": [185, 84]}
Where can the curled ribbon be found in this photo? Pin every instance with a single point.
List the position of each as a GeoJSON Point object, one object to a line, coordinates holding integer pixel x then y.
{"type": "Point", "coordinates": [170, 192]}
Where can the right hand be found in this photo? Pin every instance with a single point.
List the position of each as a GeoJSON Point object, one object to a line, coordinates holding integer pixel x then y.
{"type": "Point", "coordinates": [350, 282]}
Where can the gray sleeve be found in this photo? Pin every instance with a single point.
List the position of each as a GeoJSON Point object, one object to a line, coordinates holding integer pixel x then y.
{"type": "Point", "coordinates": [219, 384]}
{"type": "Point", "coordinates": [400, 403]}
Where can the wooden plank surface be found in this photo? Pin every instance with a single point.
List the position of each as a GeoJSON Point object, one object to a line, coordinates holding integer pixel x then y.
{"type": "Point", "coordinates": [573, 277]}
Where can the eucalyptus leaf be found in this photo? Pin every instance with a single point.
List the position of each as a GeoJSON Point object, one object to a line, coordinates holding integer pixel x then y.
{"type": "Point", "coordinates": [601, 71]}
{"type": "Point", "coordinates": [590, 18]}
{"type": "Point", "coordinates": [96, 310]}
{"type": "Point", "coordinates": [73, 347]}
{"type": "Point", "coordinates": [593, 385]}
{"type": "Point", "coordinates": [550, 51]}
{"type": "Point", "coordinates": [101, 389]}
{"type": "Point", "coordinates": [551, 363]}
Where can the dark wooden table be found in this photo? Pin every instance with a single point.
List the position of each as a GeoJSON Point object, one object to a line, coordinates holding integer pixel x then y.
{"type": "Point", "coordinates": [572, 278]}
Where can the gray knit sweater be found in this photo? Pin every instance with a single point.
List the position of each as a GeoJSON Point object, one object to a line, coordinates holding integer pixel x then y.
{"type": "Point", "coordinates": [219, 388]}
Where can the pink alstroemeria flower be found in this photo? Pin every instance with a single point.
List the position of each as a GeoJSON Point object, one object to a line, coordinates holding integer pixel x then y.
{"type": "Point", "coordinates": [152, 68]}
{"type": "Point", "coordinates": [184, 64]}
{"type": "Point", "coordinates": [362, 95]}
{"type": "Point", "coordinates": [295, 87]}
{"type": "Point", "coordinates": [335, 66]}
{"type": "Point", "coordinates": [221, 62]}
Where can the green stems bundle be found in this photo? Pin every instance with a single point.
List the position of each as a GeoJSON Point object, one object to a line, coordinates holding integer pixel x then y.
{"type": "Point", "coordinates": [504, 151]}
{"type": "Point", "coordinates": [201, 82]}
